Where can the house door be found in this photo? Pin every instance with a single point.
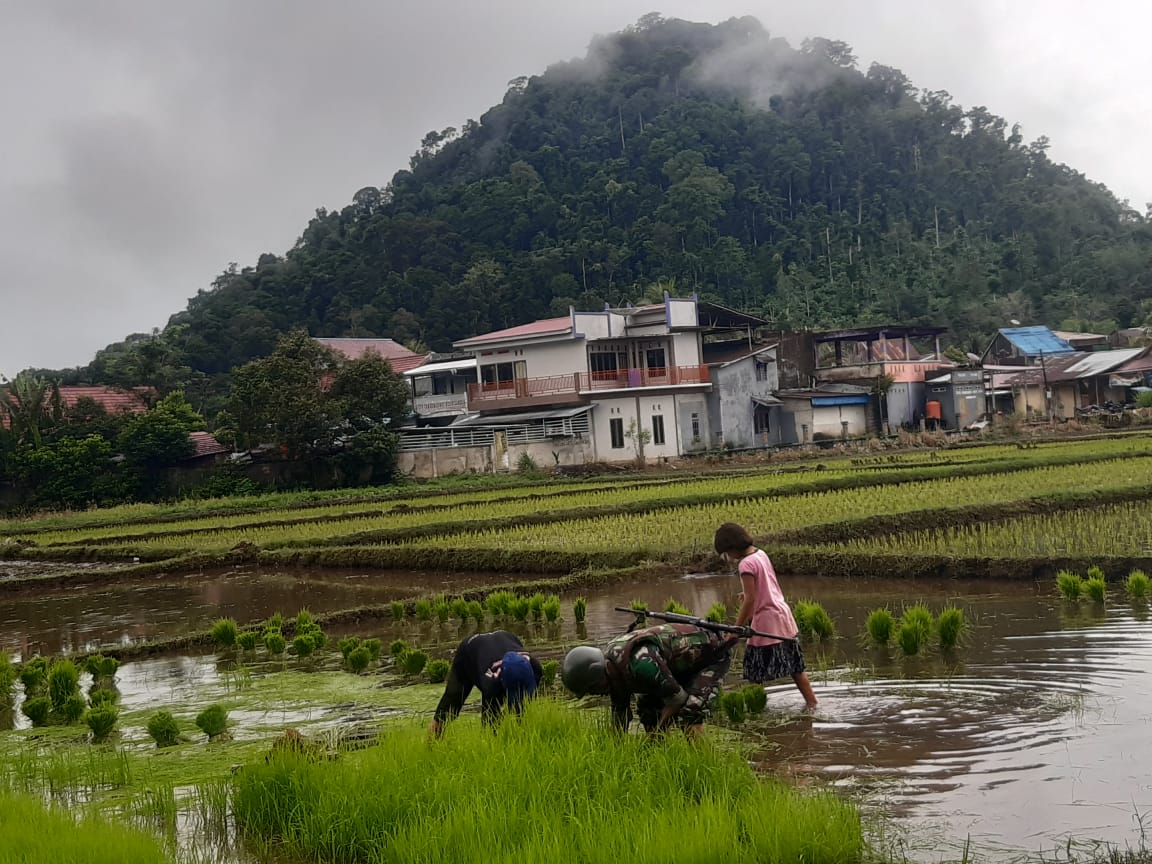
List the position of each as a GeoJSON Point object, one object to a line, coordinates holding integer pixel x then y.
{"type": "Point", "coordinates": [520, 374]}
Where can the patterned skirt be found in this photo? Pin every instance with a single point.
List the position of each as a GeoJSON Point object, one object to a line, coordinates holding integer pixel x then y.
{"type": "Point", "coordinates": [773, 662]}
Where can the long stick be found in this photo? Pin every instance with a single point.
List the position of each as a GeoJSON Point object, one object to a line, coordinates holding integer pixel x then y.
{"type": "Point", "coordinates": [703, 623]}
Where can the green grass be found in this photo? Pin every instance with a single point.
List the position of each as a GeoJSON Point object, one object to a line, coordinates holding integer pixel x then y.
{"type": "Point", "coordinates": [556, 787]}
{"type": "Point", "coordinates": [32, 834]}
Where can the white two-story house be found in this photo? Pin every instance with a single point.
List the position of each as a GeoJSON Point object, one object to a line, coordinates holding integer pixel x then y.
{"type": "Point", "coordinates": [622, 380]}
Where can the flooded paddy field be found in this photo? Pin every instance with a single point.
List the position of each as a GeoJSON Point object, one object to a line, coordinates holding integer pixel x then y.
{"type": "Point", "coordinates": [1032, 733]}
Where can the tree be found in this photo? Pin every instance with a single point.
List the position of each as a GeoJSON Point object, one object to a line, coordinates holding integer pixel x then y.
{"type": "Point", "coordinates": [72, 473]}
{"type": "Point", "coordinates": [31, 404]}
{"type": "Point", "coordinates": [156, 440]}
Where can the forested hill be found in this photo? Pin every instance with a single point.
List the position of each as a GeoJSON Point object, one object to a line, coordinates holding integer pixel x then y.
{"type": "Point", "coordinates": [709, 158]}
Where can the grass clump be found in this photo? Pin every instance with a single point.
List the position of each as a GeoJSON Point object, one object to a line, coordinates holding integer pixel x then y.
{"type": "Point", "coordinates": [224, 633]}
{"type": "Point", "coordinates": [212, 721]}
{"type": "Point", "coordinates": [1070, 585]}
{"type": "Point", "coordinates": [164, 729]}
{"type": "Point", "coordinates": [438, 671]}
{"type": "Point", "coordinates": [880, 625]}
{"type": "Point", "coordinates": [358, 660]}
{"type": "Point", "coordinates": [476, 611]}
{"type": "Point", "coordinates": [755, 698]}
{"type": "Point", "coordinates": [551, 608]}
{"type": "Point", "coordinates": [733, 706]}
{"type": "Point", "coordinates": [248, 640]}
{"type": "Point", "coordinates": [101, 721]}
{"type": "Point", "coordinates": [1096, 588]}
{"type": "Point", "coordinates": [536, 607]}
{"type": "Point", "coordinates": [549, 669]}
{"type": "Point", "coordinates": [103, 696]}
{"type": "Point", "coordinates": [304, 645]}
{"type": "Point", "coordinates": [37, 710]}
{"type": "Point", "coordinates": [914, 633]}
{"type": "Point", "coordinates": [580, 609]}
{"type": "Point", "coordinates": [412, 662]}
{"type": "Point", "coordinates": [499, 603]}
{"type": "Point", "coordinates": [398, 647]}
{"type": "Point", "coordinates": [459, 607]}
{"type": "Point", "coordinates": [521, 608]}
{"type": "Point", "coordinates": [373, 647]}
{"type": "Point", "coordinates": [101, 667]}
{"type": "Point", "coordinates": [8, 676]}
{"type": "Point", "coordinates": [37, 835]}
{"type": "Point", "coordinates": [442, 610]}
{"type": "Point", "coordinates": [675, 607]}
{"type": "Point", "coordinates": [950, 627]}
{"type": "Point", "coordinates": [406, 801]}
{"type": "Point", "coordinates": [424, 610]}
{"type": "Point", "coordinates": [717, 613]}
{"type": "Point", "coordinates": [34, 674]}
{"type": "Point", "coordinates": [813, 620]}
{"type": "Point", "coordinates": [399, 610]}
{"type": "Point", "coordinates": [1137, 586]}
{"type": "Point", "coordinates": [275, 642]}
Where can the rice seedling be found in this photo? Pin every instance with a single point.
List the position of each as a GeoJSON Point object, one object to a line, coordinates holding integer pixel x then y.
{"type": "Point", "coordinates": [552, 608]}
{"type": "Point", "coordinates": [275, 622]}
{"type": "Point", "coordinates": [732, 704]}
{"type": "Point", "coordinates": [536, 607]}
{"type": "Point", "coordinates": [499, 603]}
{"type": "Point", "coordinates": [224, 633]}
{"type": "Point", "coordinates": [37, 835]}
{"type": "Point", "coordinates": [101, 721]}
{"type": "Point", "coordinates": [8, 676]}
{"type": "Point", "coordinates": [1070, 585]}
{"type": "Point", "coordinates": [437, 671]}
{"type": "Point", "coordinates": [358, 660]}
{"type": "Point", "coordinates": [412, 662]}
{"type": "Point", "coordinates": [212, 721]}
{"type": "Point", "coordinates": [674, 606]}
{"type": "Point", "coordinates": [1096, 588]}
{"type": "Point", "coordinates": [459, 607]}
{"type": "Point", "coordinates": [548, 670]}
{"type": "Point", "coordinates": [915, 629]}
{"type": "Point", "coordinates": [579, 609]}
{"type": "Point", "coordinates": [1094, 572]}
{"type": "Point", "coordinates": [476, 611]}
{"type": "Point", "coordinates": [304, 645]}
{"type": "Point", "coordinates": [64, 692]}
{"type": "Point", "coordinates": [521, 608]}
{"type": "Point", "coordinates": [101, 667]}
{"type": "Point", "coordinates": [1138, 586]}
{"type": "Point", "coordinates": [373, 647]}
{"type": "Point", "coordinates": [248, 640]}
{"type": "Point", "coordinates": [275, 642]}
{"type": "Point", "coordinates": [37, 710]}
{"type": "Point", "coordinates": [880, 625]}
{"type": "Point", "coordinates": [399, 610]}
{"type": "Point", "coordinates": [950, 627]}
{"type": "Point", "coordinates": [348, 645]}
{"type": "Point", "coordinates": [442, 610]}
{"type": "Point", "coordinates": [99, 696]}
{"type": "Point", "coordinates": [755, 698]}
{"type": "Point", "coordinates": [164, 729]}
{"type": "Point", "coordinates": [403, 800]}
{"type": "Point", "coordinates": [34, 674]}
{"type": "Point", "coordinates": [638, 606]}
{"type": "Point", "coordinates": [813, 620]}
{"type": "Point", "coordinates": [718, 613]}
{"type": "Point", "coordinates": [423, 609]}
{"type": "Point", "coordinates": [397, 647]}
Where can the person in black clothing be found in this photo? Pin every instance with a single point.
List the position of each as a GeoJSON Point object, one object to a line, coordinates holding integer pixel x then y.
{"type": "Point", "coordinates": [498, 666]}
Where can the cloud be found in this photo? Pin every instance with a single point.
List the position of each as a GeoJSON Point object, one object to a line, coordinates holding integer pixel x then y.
{"type": "Point", "coordinates": [148, 144]}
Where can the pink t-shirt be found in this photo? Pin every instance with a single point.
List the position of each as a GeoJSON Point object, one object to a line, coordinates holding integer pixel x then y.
{"type": "Point", "coordinates": [771, 613]}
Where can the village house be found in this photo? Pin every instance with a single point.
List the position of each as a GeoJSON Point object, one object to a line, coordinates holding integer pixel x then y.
{"type": "Point", "coordinates": [1061, 385]}
{"type": "Point", "coordinates": [440, 388]}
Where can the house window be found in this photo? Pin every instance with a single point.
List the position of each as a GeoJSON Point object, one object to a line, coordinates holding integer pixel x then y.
{"type": "Point", "coordinates": [495, 374]}
{"type": "Point", "coordinates": [760, 421]}
{"type": "Point", "coordinates": [655, 361]}
{"type": "Point", "coordinates": [761, 371]}
{"type": "Point", "coordinates": [695, 428]}
{"type": "Point", "coordinates": [440, 385]}
{"type": "Point", "coordinates": [616, 428]}
{"type": "Point", "coordinates": [657, 428]}
{"type": "Point", "coordinates": [603, 365]}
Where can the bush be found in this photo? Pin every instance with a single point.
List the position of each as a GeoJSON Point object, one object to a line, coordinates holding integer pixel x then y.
{"type": "Point", "coordinates": [359, 659]}
{"type": "Point", "coordinates": [373, 647]}
{"type": "Point", "coordinates": [102, 720]}
{"type": "Point", "coordinates": [717, 614]}
{"type": "Point", "coordinates": [63, 684]}
{"type": "Point", "coordinates": [1138, 586]}
{"type": "Point", "coordinates": [1070, 585]}
{"type": "Point", "coordinates": [164, 729]}
{"type": "Point", "coordinates": [1144, 400]}
{"type": "Point", "coordinates": [37, 710]}
{"type": "Point", "coordinates": [732, 703]}
{"type": "Point", "coordinates": [1096, 588]}
{"type": "Point", "coordinates": [212, 721]}
{"type": "Point", "coordinates": [275, 642]}
{"type": "Point", "coordinates": [755, 698]}
{"type": "Point", "coordinates": [552, 609]}
{"type": "Point", "coordinates": [950, 627]}
{"type": "Point", "coordinates": [248, 640]}
{"type": "Point", "coordinates": [580, 610]}
{"type": "Point", "coordinates": [398, 647]}
{"type": "Point", "coordinates": [880, 626]}
{"type": "Point", "coordinates": [224, 633]}
{"type": "Point", "coordinates": [399, 610]}
{"type": "Point", "coordinates": [675, 607]}
{"type": "Point", "coordinates": [527, 465]}
{"type": "Point", "coordinates": [549, 668]}
{"type": "Point", "coordinates": [813, 620]}
{"type": "Point", "coordinates": [413, 662]}
{"type": "Point", "coordinates": [438, 671]}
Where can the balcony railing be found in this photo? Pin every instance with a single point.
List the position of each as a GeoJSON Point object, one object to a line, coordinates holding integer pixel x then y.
{"type": "Point", "coordinates": [570, 387]}
{"type": "Point", "coordinates": [443, 403]}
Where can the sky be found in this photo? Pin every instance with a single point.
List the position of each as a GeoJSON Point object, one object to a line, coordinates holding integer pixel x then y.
{"type": "Point", "coordinates": [146, 144]}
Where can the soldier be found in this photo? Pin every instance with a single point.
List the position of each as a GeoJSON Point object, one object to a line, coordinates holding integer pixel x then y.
{"type": "Point", "coordinates": [498, 666]}
{"type": "Point", "coordinates": [675, 669]}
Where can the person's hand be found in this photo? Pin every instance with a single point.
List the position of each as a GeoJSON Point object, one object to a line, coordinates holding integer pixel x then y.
{"type": "Point", "coordinates": [434, 729]}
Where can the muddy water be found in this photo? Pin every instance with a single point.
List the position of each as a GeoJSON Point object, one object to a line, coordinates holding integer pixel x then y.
{"type": "Point", "coordinates": [1036, 731]}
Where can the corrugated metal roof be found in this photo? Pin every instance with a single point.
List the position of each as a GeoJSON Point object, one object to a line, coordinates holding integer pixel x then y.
{"type": "Point", "coordinates": [1071, 367]}
{"type": "Point", "coordinates": [517, 419]}
{"type": "Point", "coordinates": [1099, 362]}
{"type": "Point", "coordinates": [1036, 340]}
{"type": "Point", "coordinates": [544, 327]}
{"type": "Point", "coordinates": [446, 366]}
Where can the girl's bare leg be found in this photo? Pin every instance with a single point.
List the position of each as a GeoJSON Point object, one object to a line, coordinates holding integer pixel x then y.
{"type": "Point", "coordinates": [805, 687]}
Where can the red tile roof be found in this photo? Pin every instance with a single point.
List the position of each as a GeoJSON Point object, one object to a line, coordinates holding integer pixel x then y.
{"type": "Point", "coordinates": [399, 358]}
{"type": "Point", "coordinates": [205, 444]}
{"type": "Point", "coordinates": [113, 401]}
{"type": "Point", "coordinates": [544, 327]}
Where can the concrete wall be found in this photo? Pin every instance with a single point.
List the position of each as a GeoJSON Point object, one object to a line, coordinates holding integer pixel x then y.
{"type": "Point", "coordinates": [904, 403]}
{"type": "Point", "coordinates": [597, 325]}
{"type": "Point", "coordinates": [427, 464]}
{"type": "Point", "coordinates": [683, 313]}
{"type": "Point", "coordinates": [639, 409]}
{"type": "Point", "coordinates": [828, 419]}
{"type": "Point", "coordinates": [731, 409]}
{"type": "Point", "coordinates": [685, 349]}
{"type": "Point", "coordinates": [688, 406]}
{"type": "Point", "coordinates": [542, 361]}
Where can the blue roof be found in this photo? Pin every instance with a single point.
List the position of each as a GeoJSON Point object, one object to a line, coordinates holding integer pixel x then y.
{"type": "Point", "coordinates": [1036, 340]}
{"type": "Point", "coordinates": [848, 399]}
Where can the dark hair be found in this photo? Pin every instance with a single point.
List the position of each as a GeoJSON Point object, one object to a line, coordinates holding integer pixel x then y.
{"type": "Point", "coordinates": [732, 538]}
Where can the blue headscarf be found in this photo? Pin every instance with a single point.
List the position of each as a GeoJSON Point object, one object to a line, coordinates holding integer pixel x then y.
{"type": "Point", "coordinates": [517, 677]}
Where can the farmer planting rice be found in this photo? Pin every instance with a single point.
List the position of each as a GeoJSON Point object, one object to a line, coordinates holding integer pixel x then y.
{"type": "Point", "coordinates": [498, 666]}
{"type": "Point", "coordinates": [675, 669]}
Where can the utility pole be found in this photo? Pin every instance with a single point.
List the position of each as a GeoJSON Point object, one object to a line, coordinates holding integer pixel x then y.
{"type": "Point", "coordinates": [1047, 397]}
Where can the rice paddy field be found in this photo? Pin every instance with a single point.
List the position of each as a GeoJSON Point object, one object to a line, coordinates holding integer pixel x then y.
{"type": "Point", "coordinates": [964, 697]}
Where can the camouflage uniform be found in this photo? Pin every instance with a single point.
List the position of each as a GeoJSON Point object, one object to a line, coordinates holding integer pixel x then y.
{"type": "Point", "coordinates": [669, 663]}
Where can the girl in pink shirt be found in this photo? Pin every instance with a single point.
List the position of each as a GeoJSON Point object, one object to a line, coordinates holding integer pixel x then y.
{"type": "Point", "coordinates": [765, 609]}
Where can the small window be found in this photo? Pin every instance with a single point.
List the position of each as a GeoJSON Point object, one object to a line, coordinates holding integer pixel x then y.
{"type": "Point", "coordinates": [616, 428]}
{"type": "Point", "coordinates": [657, 428]}
{"type": "Point", "coordinates": [655, 361]}
{"type": "Point", "coordinates": [761, 371]}
{"type": "Point", "coordinates": [760, 421]}
{"type": "Point", "coordinates": [695, 428]}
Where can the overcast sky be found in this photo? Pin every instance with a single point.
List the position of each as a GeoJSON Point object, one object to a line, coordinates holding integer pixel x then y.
{"type": "Point", "coordinates": [145, 144]}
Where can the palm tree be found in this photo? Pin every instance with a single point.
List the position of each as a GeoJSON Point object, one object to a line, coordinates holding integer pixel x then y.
{"type": "Point", "coordinates": [31, 404]}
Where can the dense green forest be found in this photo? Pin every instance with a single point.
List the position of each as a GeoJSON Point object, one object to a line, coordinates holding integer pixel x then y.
{"type": "Point", "coordinates": [707, 158]}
